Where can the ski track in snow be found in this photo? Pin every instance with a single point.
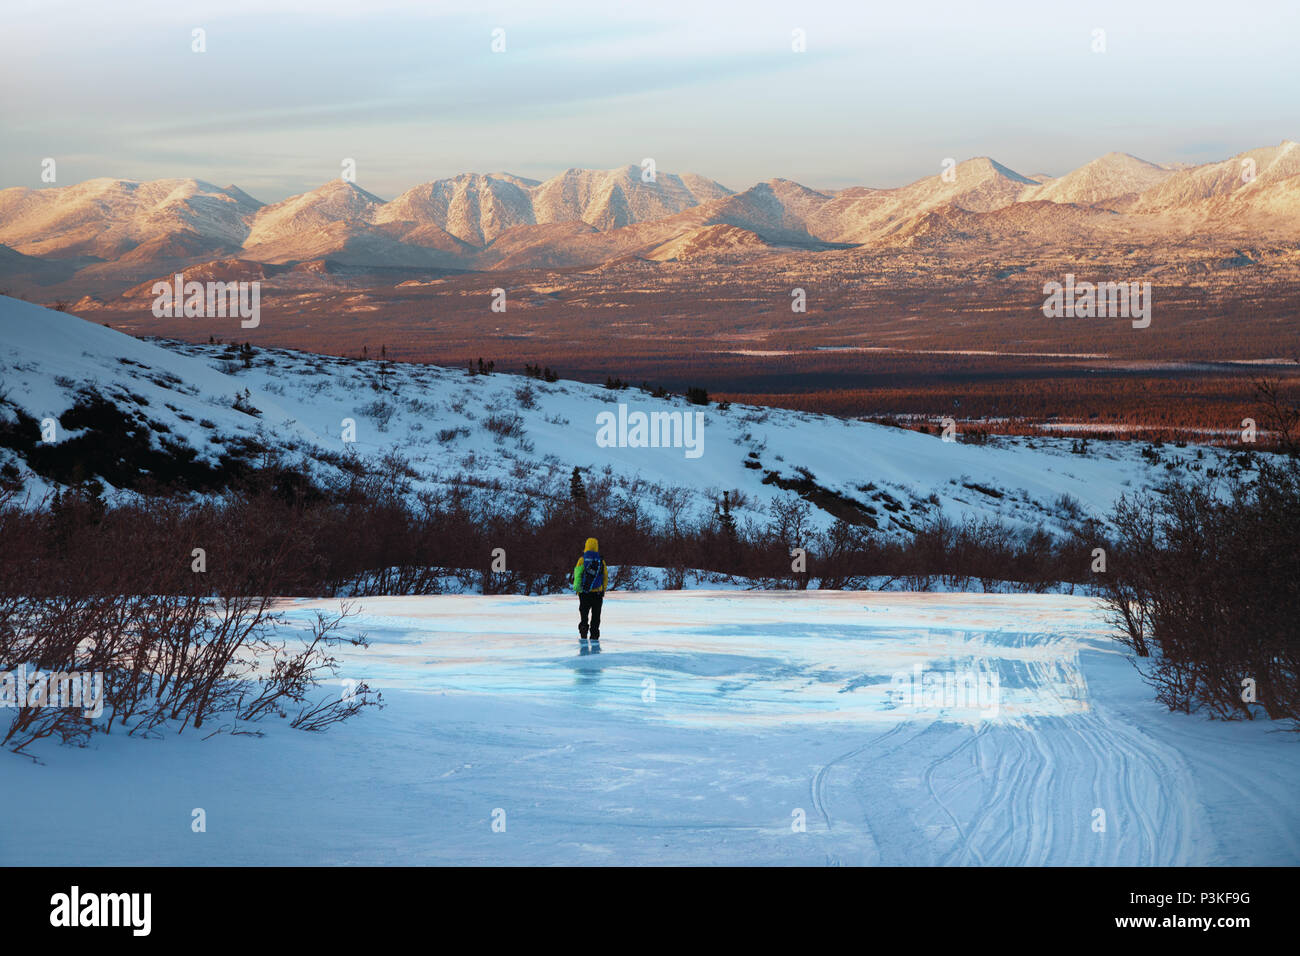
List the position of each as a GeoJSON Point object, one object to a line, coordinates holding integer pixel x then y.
{"type": "Point", "coordinates": [492, 704]}
{"type": "Point", "coordinates": [998, 791]}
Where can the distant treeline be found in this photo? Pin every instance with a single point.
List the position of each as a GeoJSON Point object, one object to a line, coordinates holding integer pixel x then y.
{"type": "Point", "coordinates": [1195, 407]}
{"type": "Point", "coordinates": [279, 532]}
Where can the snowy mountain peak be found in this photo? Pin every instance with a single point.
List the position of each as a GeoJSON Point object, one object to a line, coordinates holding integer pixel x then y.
{"type": "Point", "coordinates": [1107, 177]}
{"type": "Point", "coordinates": [337, 201]}
{"type": "Point", "coordinates": [109, 218]}
{"type": "Point", "coordinates": [985, 166]}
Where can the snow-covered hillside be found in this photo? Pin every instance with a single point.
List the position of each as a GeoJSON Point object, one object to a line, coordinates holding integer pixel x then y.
{"type": "Point", "coordinates": [181, 397]}
{"type": "Point", "coordinates": [734, 728]}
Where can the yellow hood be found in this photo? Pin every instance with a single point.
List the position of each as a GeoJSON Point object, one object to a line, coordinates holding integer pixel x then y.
{"type": "Point", "coordinates": [591, 545]}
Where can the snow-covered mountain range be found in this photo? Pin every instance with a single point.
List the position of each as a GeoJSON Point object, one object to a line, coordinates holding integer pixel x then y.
{"type": "Point", "coordinates": [582, 216]}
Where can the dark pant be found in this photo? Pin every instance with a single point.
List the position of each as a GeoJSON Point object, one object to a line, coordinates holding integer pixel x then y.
{"type": "Point", "coordinates": [589, 602]}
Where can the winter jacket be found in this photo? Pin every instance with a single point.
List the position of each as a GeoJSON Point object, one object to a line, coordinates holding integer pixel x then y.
{"type": "Point", "coordinates": [590, 558]}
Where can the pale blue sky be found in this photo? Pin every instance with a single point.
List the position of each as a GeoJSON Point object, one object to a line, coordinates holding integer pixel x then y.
{"type": "Point", "coordinates": [412, 91]}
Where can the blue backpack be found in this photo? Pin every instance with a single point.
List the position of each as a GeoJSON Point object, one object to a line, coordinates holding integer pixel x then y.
{"type": "Point", "coordinates": [592, 567]}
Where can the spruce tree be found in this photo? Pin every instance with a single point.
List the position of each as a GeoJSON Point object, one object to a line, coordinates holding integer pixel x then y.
{"type": "Point", "coordinates": [726, 520]}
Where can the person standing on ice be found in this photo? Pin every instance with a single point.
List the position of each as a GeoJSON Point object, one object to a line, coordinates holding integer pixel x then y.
{"type": "Point", "coordinates": [590, 577]}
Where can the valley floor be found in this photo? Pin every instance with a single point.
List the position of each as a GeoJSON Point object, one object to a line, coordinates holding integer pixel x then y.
{"type": "Point", "coordinates": [703, 730]}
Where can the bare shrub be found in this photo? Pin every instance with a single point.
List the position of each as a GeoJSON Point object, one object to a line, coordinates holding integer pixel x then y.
{"type": "Point", "coordinates": [505, 426]}
{"type": "Point", "coordinates": [1202, 586]}
{"type": "Point", "coordinates": [526, 396]}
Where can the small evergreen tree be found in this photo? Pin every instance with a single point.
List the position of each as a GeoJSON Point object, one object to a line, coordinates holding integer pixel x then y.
{"type": "Point", "coordinates": [576, 490]}
{"type": "Point", "coordinates": [726, 520]}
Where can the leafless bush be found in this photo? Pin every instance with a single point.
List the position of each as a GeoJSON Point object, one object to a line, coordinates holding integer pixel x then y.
{"type": "Point", "coordinates": [1202, 586]}
{"type": "Point", "coordinates": [380, 412]}
{"type": "Point", "coordinates": [1281, 417]}
{"type": "Point", "coordinates": [526, 396]}
{"type": "Point", "coordinates": [505, 426]}
{"type": "Point", "coordinates": [171, 647]}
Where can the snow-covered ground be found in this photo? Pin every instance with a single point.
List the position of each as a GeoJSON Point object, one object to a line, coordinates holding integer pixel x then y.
{"type": "Point", "coordinates": [437, 419]}
{"type": "Point", "coordinates": [703, 730]}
